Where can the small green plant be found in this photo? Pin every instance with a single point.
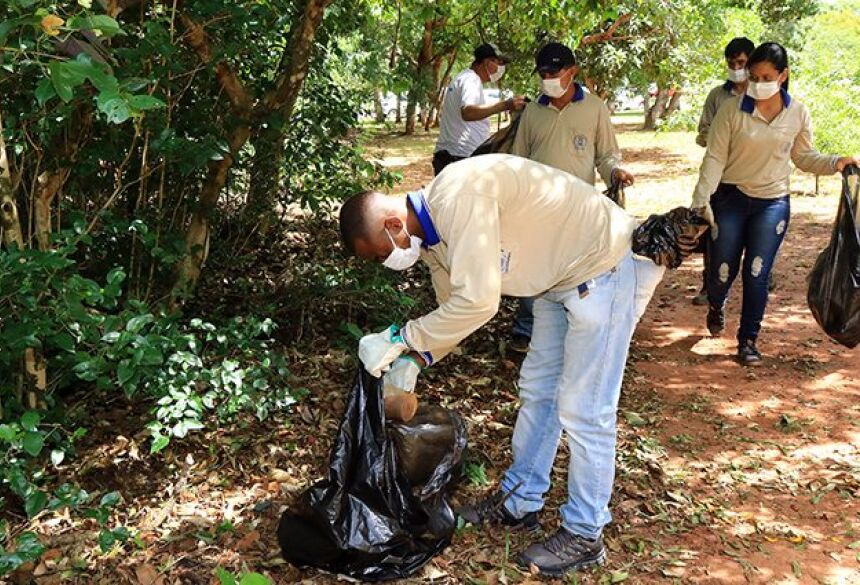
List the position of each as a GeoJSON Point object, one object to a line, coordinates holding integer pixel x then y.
{"type": "Point", "coordinates": [227, 578]}
{"type": "Point", "coordinates": [477, 474]}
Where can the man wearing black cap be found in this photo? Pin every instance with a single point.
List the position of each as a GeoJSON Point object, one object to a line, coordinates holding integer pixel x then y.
{"type": "Point", "coordinates": [569, 129]}
{"type": "Point", "coordinates": [464, 120]}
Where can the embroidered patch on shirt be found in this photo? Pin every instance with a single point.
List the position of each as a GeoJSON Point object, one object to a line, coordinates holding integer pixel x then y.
{"type": "Point", "coordinates": [580, 142]}
{"type": "Point", "coordinates": [506, 261]}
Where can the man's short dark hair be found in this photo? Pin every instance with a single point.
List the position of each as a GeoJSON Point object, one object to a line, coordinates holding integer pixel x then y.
{"type": "Point", "coordinates": [739, 46]}
{"type": "Point", "coordinates": [353, 219]}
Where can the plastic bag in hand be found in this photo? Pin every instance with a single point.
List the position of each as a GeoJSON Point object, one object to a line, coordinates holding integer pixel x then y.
{"type": "Point", "coordinates": [834, 283]}
{"type": "Point", "coordinates": [669, 238]}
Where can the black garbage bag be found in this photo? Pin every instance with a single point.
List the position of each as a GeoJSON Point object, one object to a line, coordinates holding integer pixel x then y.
{"type": "Point", "coordinates": [616, 193]}
{"type": "Point", "coordinates": [669, 238]}
{"type": "Point", "coordinates": [379, 515]}
{"type": "Point", "coordinates": [503, 140]}
{"type": "Point", "coordinates": [834, 283]}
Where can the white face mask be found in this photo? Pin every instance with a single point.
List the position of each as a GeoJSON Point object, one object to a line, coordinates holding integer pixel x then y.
{"type": "Point", "coordinates": [738, 75]}
{"type": "Point", "coordinates": [762, 90]}
{"type": "Point", "coordinates": [403, 258]}
{"type": "Point", "coordinates": [553, 87]}
{"type": "Point", "coordinates": [500, 70]}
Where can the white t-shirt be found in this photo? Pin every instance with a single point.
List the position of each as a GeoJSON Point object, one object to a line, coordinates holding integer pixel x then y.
{"type": "Point", "coordinates": [458, 137]}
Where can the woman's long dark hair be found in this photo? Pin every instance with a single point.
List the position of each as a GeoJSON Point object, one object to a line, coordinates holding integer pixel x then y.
{"type": "Point", "coordinates": [772, 53]}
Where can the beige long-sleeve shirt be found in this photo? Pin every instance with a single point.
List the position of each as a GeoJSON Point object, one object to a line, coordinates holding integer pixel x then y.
{"type": "Point", "coordinates": [575, 139]}
{"type": "Point", "coordinates": [715, 99]}
{"type": "Point", "coordinates": [501, 224]}
{"type": "Point", "coordinates": [746, 150]}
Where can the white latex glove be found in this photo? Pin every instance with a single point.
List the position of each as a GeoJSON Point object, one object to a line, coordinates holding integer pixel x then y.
{"type": "Point", "coordinates": [377, 350]}
{"type": "Point", "coordinates": [401, 377]}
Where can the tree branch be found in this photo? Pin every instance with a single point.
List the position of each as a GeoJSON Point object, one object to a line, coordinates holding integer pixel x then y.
{"type": "Point", "coordinates": [607, 35]}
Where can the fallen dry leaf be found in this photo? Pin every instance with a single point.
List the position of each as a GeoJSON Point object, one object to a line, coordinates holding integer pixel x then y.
{"type": "Point", "coordinates": [148, 575]}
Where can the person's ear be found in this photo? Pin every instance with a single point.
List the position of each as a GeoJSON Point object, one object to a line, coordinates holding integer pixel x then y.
{"type": "Point", "coordinates": [784, 76]}
{"type": "Point", "coordinates": [393, 224]}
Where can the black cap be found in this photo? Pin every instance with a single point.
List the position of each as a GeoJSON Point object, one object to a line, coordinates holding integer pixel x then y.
{"type": "Point", "coordinates": [553, 57]}
{"type": "Point", "coordinates": [488, 51]}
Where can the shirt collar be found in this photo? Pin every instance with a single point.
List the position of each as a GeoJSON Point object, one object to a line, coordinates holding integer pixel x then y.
{"type": "Point", "coordinates": [748, 104]}
{"type": "Point", "coordinates": [729, 86]}
{"type": "Point", "coordinates": [578, 96]}
{"type": "Point", "coordinates": [419, 206]}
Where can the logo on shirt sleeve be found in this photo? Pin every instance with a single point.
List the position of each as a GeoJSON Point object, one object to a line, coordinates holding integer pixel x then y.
{"type": "Point", "coordinates": [580, 142]}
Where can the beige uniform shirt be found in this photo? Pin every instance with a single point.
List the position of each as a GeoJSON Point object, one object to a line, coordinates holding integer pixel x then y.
{"type": "Point", "coordinates": [715, 99]}
{"type": "Point", "coordinates": [747, 151]}
{"type": "Point", "coordinates": [575, 139]}
{"type": "Point", "coordinates": [501, 224]}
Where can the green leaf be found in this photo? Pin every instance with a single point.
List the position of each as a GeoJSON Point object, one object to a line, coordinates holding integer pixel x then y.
{"type": "Point", "coordinates": [124, 372]}
{"type": "Point", "coordinates": [795, 568]}
{"type": "Point", "coordinates": [224, 577]}
{"type": "Point", "coordinates": [116, 275]}
{"type": "Point", "coordinates": [854, 545]}
{"type": "Point", "coordinates": [106, 540]}
{"type": "Point", "coordinates": [145, 102]}
{"type": "Point", "coordinates": [30, 420]}
{"type": "Point", "coordinates": [35, 503]}
{"type": "Point", "coordinates": [29, 546]}
{"type": "Point", "coordinates": [135, 324]}
{"type": "Point", "coordinates": [33, 443]}
{"type": "Point", "coordinates": [255, 579]}
{"type": "Point", "coordinates": [44, 91]}
{"type": "Point", "coordinates": [618, 576]}
{"type": "Point", "coordinates": [634, 420]}
{"type": "Point", "coordinates": [114, 107]}
{"type": "Point", "coordinates": [110, 499]}
{"type": "Point", "coordinates": [102, 23]}
{"type": "Point", "coordinates": [65, 79]}
{"type": "Point", "coordinates": [159, 443]}
{"type": "Point", "coordinates": [7, 433]}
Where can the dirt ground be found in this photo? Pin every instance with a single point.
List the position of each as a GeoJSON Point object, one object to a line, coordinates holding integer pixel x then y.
{"type": "Point", "coordinates": [725, 474]}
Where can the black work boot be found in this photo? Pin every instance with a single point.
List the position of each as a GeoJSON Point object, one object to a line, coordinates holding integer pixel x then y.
{"type": "Point", "coordinates": [716, 320]}
{"type": "Point", "coordinates": [748, 353]}
{"type": "Point", "coordinates": [491, 510]}
{"type": "Point", "coordinates": [563, 552]}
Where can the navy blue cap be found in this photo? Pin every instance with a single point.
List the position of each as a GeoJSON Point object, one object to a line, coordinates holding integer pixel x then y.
{"type": "Point", "coordinates": [553, 57]}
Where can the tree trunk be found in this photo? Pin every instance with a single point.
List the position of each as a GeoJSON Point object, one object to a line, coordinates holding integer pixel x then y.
{"type": "Point", "coordinates": [655, 112]}
{"type": "Point", "coordinates": [379, 113]}
{"type": "Point", "coordinates": [280, 101]}
{"type": "Point", "coordinates": [411, 107]}
{"type": "Point", "coordinates": [32, 378]}
{"type": "Point", "coordinates": [423, 63]}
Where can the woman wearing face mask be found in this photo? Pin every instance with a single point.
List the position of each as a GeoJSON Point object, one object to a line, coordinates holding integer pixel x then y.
{"type": "Point", "coordinates": [743, 188]}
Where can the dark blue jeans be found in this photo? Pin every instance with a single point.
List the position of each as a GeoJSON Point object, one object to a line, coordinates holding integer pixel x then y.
{"type": "Point", "coordinates": [753, 229]}
{"type": "Point", "coordinates": [524, 320]}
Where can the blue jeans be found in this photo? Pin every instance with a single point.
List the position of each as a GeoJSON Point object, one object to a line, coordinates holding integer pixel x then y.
{"type": "Point", "coordinates": [524, 320]}
{"type": "Point", "coordinates": [752, 228]}
{"type": "Point", "coordinates": [570, 382]}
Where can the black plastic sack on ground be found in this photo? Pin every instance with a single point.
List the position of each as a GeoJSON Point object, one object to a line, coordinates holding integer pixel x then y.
{"type": "Point", "coordinates": [379, 515]}
{"type": "Point", "coordinates": [834, 283]}
{"type": "Point", "coordinates": [669, 238]}
{"type": "Point", "coordinates": [503, 140]}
